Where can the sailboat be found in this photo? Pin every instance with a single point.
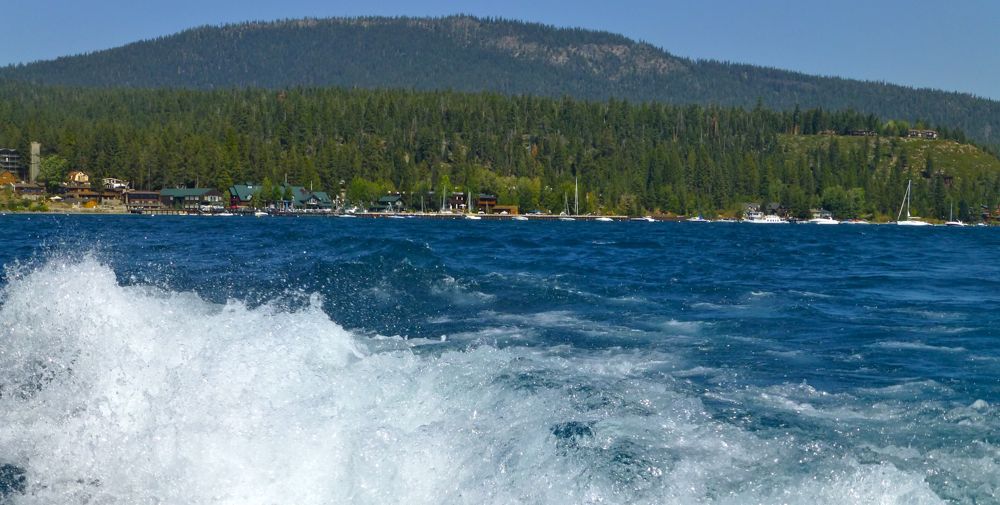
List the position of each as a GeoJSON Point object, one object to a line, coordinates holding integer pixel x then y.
{"type": "Point", "coordinates": [564, 215]}
{"type": "Point", "coordinates": [951, 217]}
{"type": "Point", "coordinates": [910, 220]}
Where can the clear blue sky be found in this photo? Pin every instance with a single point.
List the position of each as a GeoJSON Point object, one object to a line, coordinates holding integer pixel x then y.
{"type": "Point", "coordinates": [945, 44]}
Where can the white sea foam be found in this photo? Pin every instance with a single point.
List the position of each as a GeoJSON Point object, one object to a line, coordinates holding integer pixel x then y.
{"type": "Point", "coordinates": [917, 346]}
{"type": "Point", "coordinates": [136, 395]}
{"type": "Point", "coordinates": [453, 291]}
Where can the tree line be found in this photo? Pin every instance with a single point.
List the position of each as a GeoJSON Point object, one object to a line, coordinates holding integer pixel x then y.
{"type": "Point", "coordinates": [529, 151]}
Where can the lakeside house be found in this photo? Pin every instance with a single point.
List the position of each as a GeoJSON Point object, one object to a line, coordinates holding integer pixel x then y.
{"type": "Point", "coordinates": [140, 201]}
{"type": "Point", "coordinates": [190, 198]}
{"type": "Point", "coordinates": [110, 183]}
{"type": "Point", "coordinates": [29, 190]}
{"type": "Point", "coordinates": [77, 177]}
{"type": "Point", "coordinates": [486, 202]}
{"type": "Point", "coordinates": [389, 203]}
{"type": "Point", "coordinates": [457, 201]}
{"type": "Point", "coordinates": [303, 198]}
{"type": "Point", "coordinates": [821, 214]}
{"type": "Point", "coordinates": [241, 195]}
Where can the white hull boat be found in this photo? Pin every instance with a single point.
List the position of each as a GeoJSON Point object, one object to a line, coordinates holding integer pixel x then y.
{"type": "Point", "coordinates": [910, 220]}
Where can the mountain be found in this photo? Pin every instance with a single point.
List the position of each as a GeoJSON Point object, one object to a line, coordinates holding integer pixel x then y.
{"type": "Point", "coordinates": [470, 54]}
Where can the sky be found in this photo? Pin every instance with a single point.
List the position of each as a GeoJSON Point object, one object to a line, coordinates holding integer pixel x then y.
{"type": "Point", "coordinates": [946, 44]}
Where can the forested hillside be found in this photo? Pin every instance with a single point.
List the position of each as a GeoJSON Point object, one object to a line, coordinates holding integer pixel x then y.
{"type": "Point", "coordinates": [528, 150]}
{"type": "Point", "coordinates": [509, 57]}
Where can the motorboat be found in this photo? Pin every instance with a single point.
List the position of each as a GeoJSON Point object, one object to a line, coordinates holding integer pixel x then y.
{"type": "Point", "coordinates": [951, 218]}
{"type": "Point", "coordinates": [760, 218]}
{"type": "Point", "coordinates": [604, 219]}
{"type": "Point", "coordinates": [823, 220]}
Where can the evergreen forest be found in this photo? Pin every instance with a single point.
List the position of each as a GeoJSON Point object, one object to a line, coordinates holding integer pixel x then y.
{"type": "Point", "coordinates": [628, 158]}
{"type": "Point", "coordinates": [469, 54]}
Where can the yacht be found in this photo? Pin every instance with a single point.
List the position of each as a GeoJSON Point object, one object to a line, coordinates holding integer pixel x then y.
{"type": "Point", "coordinates": [760, 218]}
{"type": "Point", "coordinates": [910, 220]}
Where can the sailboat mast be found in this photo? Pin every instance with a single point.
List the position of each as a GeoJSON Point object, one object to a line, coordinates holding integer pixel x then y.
{"type": "Point", "coordinates": [904, 203]}
{"type": "Point", "coordinates": [908, 189]}
{"type": "Point", "coordinates": [576, 197]}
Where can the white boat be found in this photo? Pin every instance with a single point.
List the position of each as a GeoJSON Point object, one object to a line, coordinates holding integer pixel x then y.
{"type": "Point", "coordinates": [260, 213]}
{"type": "Point", "coordinates": [396, 216]}
{"type": "Point", "coordinates": [604, 219]}
{"type": "Point", "coordinates": [725, 220]}
{"type": "Point", "coordinates": [910, 220]}
{"type": "Point", "coordinates": [951, 218]}
{"type": "Point", "coordinates": [697, 219]}
{"type": "Point", "coordinates": [648, 219]}
{"type": "Point", "coordinates": [519, 218]}
{"type": "Point", "coordinates": [823, 220]}
{"type": "Point", "coordinates": [760, 218]}
{"type": "Point", "coordinates": [346, 215]}
{"type": "Point", "coordinates": [855, 221]}
{"type": "Point", "coordinates": [472, 217]}
{"type": "Point", "coordinates": [224, 214]}
{"type": "Point", "coordinates": [564, 218]}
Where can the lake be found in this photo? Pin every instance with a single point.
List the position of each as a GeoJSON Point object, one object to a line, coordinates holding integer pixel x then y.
{"type": "Point", "coordinates": [319, 360]}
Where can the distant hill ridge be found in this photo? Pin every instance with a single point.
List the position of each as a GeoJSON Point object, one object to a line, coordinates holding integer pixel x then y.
{"type": "Point", "coordinates": [472, 54]}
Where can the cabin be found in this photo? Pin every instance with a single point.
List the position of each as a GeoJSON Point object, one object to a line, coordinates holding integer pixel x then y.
{"type": "Point", "coordinates": [189, 198]}
{"type": "Point", "coordinates": [29, 190]}
{"type": "Point", "coordinates": [77, 177]}
{"type": "Point", "coordinates": [776, 209]}
{"type": "Point", "coordinates": [138, 201]}
{"type": "Point", "coordinates": [486, 202]}
{"type": "Point", "coordinates": [389, 203]}
{"type": "Point", "coordinates": [821, 214]}
{"type": "Point", "coordinates": [114, 184]}
{"type": "Point", "coordinates": [456, 201]}
{"type": "Point", "coordinates": [241, 195]}
{"type": "Point", "coordinates": [303, 198]}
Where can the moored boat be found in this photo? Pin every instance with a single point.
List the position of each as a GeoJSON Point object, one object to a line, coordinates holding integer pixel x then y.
{"type": "Point", "coordinates": [910, 220]}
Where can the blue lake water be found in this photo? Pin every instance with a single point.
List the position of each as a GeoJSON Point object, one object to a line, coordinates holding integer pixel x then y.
{"type": "Point", "coordinates": [322, 360]}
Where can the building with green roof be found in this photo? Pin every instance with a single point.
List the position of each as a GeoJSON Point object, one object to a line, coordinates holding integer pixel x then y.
{"type": "Point", "coordinates": [190, 198]}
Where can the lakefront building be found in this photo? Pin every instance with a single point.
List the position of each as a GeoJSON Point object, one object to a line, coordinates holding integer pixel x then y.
{"type": "Point", "coordinates": [190, 198]}
{"type": "Point", "coordinates": [10, 161]}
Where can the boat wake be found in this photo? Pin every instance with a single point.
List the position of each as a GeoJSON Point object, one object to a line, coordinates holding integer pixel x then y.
{"type": "Point", "coordinates": [134, 394]}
